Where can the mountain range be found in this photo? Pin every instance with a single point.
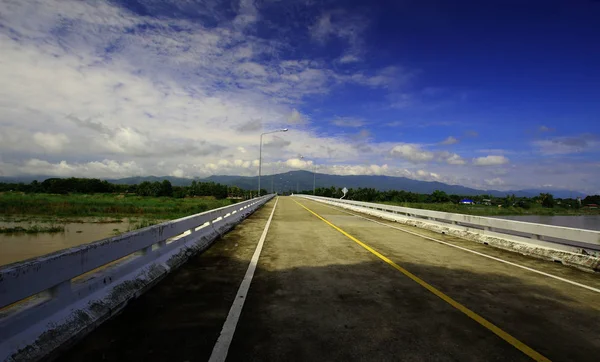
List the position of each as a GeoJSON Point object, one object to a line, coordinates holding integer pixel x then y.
{"type": "Point", "coordinates": [303, 180]}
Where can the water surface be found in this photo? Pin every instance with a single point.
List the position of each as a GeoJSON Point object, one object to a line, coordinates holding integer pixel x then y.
{"type": "Point", "coordinates": [21, 246]}
{"type": "Point", "coordinates": [591, 222]}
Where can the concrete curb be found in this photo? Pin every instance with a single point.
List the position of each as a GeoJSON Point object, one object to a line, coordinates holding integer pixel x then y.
{"type": "Point", "coordinates": [582, 260]}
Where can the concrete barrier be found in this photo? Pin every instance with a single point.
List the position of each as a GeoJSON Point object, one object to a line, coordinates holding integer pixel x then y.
{"type": "Point", "coordinates": [50, 301]}
{"type": "Point", "coordinates": [575, 247]}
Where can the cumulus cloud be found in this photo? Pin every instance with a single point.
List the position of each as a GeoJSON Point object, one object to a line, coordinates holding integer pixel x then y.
{"type": "Point", "coordinates": [450, 141]}
{"type": "Point", "coordinates": [490, 161]}
{"type": "Point", "coordinates": [298, 163]}
{"type": "Point", "coordinates": [98, 169]}
{"type": "Point", "coordinates": [96, 89]}
{"type": "Point", "coordinates": [416, 154]}
{"type": "Point", "coordinates": [454, 159]}
{"type": "Point", "coordinates": [157, 95]}
{"type": "Point", "coordinates": [412, 153]}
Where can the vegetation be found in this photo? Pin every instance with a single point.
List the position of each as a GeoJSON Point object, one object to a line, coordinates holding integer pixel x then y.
{"type": "Point", "coordinates": [34, 229]}
{"type": "Point", "coordinates": [155, 189]}
{"type": "Point", "coordinates": [105, 205]}
{"type": "Point", "coordinates": [485, 205]}
{"type": "Point", "coordinates": [80, 197]}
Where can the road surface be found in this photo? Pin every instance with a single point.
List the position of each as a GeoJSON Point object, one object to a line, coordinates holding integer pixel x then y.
{"type": "Point", "coordinates": [332, 286]}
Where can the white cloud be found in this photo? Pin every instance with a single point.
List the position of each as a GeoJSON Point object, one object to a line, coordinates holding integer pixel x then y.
{"type": "Point", "coordinates": [495, 181]}
{"type": "Point", "coordinates": [349, 58]}
{"type": "Point", "coordinates": [298, 163]}
{"type": "Point", "coordinates": [490, 161]}
{"type": "Point", "coordinates": [296, 117]}
{"type": "Point", "coordinates": [567, 145]}
{"type": "Point", "coordinates": [427, 176]}
{"type": "Point", "coordinates": [92, 89]}
{"type": "Point", "coordinates": [450, 141]}
{"type": "Point", "coordinates": [412, 153]}
{"type": "Point", "coordinates": [455, 159]}
{"type": "Point", "coordinates": [348, 122]}
{"type": "Point", "coordinates": [369, 169]}
{"type": "Point", "coordinates": [98, 169]}
{"type": "Point", "coordinates": [51, 142]}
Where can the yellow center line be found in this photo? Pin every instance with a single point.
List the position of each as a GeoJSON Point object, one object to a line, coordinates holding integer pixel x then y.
{"type": "Point", "coordinates": [476, 317]}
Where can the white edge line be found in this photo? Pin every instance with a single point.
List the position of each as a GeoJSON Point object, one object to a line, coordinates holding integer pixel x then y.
{"type": "Point", "coordinates": [468, 250]}
{"type": "Point", "coordinates": [219, 352]}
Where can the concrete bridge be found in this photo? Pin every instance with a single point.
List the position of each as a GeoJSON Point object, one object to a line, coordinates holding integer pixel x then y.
{"type": "Point", "coordinates": [311, 279]}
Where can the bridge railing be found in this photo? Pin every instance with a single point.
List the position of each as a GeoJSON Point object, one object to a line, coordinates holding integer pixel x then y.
{"type": "Point", "coordinates": [563, 238]}
{"type": "Point", "coordinates": [72, 289]}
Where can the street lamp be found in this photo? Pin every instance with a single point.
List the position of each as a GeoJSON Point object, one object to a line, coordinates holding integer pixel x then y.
{"type": "Point", "coordinates": [260, 154]}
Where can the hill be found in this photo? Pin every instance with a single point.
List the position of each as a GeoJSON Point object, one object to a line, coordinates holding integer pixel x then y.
{"type": "Point", "coordinates": [303, 180]}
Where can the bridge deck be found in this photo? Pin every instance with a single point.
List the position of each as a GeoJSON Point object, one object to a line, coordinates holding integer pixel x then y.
{"type": "Point", "coordinates": [318, 295]}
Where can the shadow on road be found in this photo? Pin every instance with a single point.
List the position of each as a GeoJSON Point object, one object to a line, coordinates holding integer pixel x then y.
{"type": "Point", "coordinates": [365, 311]}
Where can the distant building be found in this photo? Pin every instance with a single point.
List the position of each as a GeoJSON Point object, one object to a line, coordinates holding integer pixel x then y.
{"type": "Point", "coordinates": [487, 202]}
{"type": "Point", "coordinates": [467, 202]}
{"type": "Point", "coordinates": [591, 206]}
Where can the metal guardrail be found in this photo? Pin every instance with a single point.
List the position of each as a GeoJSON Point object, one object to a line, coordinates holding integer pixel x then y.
{"type": "Point", "coordinates": [540, 234]}
{"type": "Point", "coordinates": [46, 293]}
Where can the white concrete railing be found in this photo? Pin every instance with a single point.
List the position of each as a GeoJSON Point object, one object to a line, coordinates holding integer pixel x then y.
{"type": "Point", "coordinates": [561, 238]}
{"type": "Point", "coordinates": [50, 300]}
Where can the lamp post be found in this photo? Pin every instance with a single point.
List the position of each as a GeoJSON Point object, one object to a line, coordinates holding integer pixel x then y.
{"type": "Point", "coordinates": [260, 154]}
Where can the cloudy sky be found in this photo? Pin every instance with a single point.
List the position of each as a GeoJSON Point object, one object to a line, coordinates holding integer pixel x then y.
{"type": "Point", "coordinates": [487, 94]}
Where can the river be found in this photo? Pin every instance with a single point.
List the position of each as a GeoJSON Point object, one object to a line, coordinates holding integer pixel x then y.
{"type": "Point", "coordinates": [591, 222]}
{"type": "Point", "coordinates": [21, 246]}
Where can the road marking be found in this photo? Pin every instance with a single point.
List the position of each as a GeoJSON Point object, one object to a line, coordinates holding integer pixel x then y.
{"type": "Point", "coordinates": [219, 352]}
{"type": "Point", "coordinates": [471, 251]}
{"type": "Point", "coordinates": [476, 317]}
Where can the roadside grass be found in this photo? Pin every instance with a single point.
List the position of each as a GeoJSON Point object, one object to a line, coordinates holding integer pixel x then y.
{"type": "Point", "coordinates": [107, 207]}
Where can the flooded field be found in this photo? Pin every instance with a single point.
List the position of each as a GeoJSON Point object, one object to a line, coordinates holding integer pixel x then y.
{"type": "Point", "coordinates": [21, 246]}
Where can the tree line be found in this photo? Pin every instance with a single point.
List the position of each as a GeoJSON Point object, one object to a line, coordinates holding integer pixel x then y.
{"type": "Point", "coordinates": [219, 191]}
{"type": "Point", "coordinates": [400, 196]}
{"type": "Point", "coordinates": [155, 189]}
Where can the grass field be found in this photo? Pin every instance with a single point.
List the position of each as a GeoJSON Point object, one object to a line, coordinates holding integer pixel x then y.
{"type": "Point", "coordinates": [483, 210]}
{"type": "Point", "coordinates": [15, 205]}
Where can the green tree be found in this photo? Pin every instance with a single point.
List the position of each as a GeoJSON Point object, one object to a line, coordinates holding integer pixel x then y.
{"type": "Point", "coordinates": [547, 200]}
{"type": "Point", "coordinates": [166, 189]}
{"type": "Point", "coordinates": [439, 196]}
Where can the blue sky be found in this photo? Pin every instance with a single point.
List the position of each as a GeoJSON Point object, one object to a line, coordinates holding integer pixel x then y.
{"type": "Point", "coordinates": [494, 95]}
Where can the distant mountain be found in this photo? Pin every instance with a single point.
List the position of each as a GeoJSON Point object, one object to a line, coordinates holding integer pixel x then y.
{"type": "Point", "coordinates": [303, 180]}
{"type": "Point", "coordinates": [175, 181]}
